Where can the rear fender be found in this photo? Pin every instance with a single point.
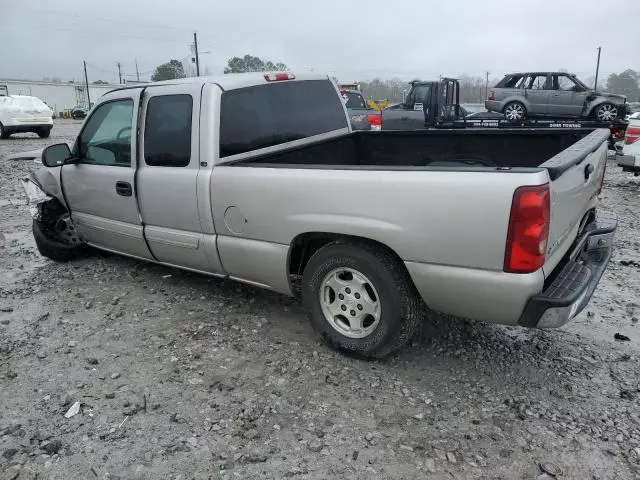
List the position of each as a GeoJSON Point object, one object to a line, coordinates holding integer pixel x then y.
{"type": "Point", "coordinates": [520, 98]}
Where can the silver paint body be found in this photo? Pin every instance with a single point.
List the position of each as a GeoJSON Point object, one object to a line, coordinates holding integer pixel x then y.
{"type": "Point", "coordinates": [449, 227]}
{"type": "Point", "coordinates": [550, 102]}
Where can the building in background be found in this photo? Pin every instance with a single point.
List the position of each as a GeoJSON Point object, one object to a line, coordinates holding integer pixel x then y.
{"type": "Point", "coordinates": [59, 96]}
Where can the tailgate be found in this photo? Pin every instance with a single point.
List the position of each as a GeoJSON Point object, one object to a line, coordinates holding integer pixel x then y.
{"type": "Point", "coordinates": [359, 118]}
{"type": "Point", "coordinates": [576, 176]}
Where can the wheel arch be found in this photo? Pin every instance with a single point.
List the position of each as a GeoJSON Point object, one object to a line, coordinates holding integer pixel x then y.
{"type": "Point", "coordinates": [304, 245]}
{"type": "Point", "coordinates": [598, 102]}
{"type": "Point", "coordinates": [515, 99]}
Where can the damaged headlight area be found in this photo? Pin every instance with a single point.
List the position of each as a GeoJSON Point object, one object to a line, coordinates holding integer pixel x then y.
{"type": "Point", "coordinates": [36, 197]}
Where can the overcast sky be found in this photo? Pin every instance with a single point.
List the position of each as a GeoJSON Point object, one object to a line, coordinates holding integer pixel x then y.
{"type": "Point", "coordinates": [351, 40]}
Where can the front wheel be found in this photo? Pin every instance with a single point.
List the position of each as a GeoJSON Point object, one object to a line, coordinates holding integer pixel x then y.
{"type": "Point", "coordinates": [607, 112]}
{"type": "Point", "coordinates": [360, 299]}
{"type": "Point", "coordinates": [44, 132]}
{"type": "Point", "coordinates": [515, 111]}
{"type": "Point", "coordinates": [57, 238]}
{"type": "Point", "coordinates": [3, 132]}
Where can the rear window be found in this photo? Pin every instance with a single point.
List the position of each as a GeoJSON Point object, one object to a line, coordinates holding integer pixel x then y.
{"type": "Point", "coordinates": [353, 100]}
{"type": "Point", "coordinates": [167, 131]}
{"type": "Point", "coordinates": [266, 115]}
{"type": "Point", "coordinates": [510, 81]}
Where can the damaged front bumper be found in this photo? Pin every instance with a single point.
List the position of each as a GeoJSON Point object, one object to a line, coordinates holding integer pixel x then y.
{"type": "Point", "coordinates": [36, 196]}
{"type": "Point", "coordinates": [569, 288]}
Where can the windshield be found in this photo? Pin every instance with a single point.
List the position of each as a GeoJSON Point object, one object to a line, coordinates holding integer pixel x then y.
{"type": "Point", "coordinates": [418, 94]}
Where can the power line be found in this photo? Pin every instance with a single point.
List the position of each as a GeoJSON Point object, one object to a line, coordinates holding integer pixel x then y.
{"type": "Point", "coordinates": [93, 32]}
{"type": "Point", "coordinates": [119, 21]}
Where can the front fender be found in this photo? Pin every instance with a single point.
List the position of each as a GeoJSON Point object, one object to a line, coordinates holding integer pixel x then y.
{"type": "Point", "coordinates": [596, 102]}
{"type": "Point", "coordinates": [48, 179]}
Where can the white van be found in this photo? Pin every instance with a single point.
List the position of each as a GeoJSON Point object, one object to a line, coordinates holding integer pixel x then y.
{"type": "Point", "coordinates": [22, 113]}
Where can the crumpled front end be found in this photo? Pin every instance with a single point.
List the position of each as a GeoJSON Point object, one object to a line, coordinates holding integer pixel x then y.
{"type": "Point", "coordinates": [36, 197]}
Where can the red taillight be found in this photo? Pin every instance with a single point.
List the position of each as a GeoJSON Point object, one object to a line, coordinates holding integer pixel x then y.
{"type": "Point", "coordinates": [492, 95]}
{"type": "Point", "coordinates": [632, 135]}
{"type": "Point", "coordinates": [277, 77]}
{"type": "Point", "coordinates": [375, 119]}
{"type": "Point", "coordinates": [528, 229]}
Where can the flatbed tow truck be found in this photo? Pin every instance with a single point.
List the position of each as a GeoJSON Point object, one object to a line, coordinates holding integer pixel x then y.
{"type": "Point", "coordinates": [436, 105]}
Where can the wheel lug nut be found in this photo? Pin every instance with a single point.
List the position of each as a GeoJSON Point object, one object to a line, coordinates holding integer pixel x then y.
{"type": "Point", "coordinates": [357, 295]}
{"type": "Point", "coordinates": [353, 313]}
{"type": "Point", "coordinates": [348, 290]}
{"type": "Point", "coordinates": [341, 296]}
{"type": "Point", "coordinates": [359, 307]}
{"type": "Point", "coordinates": [343, 308]}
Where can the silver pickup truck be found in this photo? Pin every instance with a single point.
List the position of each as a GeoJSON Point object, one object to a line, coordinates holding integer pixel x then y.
{"type": "Point", "coordinates": [260, 179]}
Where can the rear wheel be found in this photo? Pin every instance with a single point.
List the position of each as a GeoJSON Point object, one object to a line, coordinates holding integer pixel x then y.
{"type": "Point", "coordinates": [3, 132]}
{"type": "Point", "coordinates": [360, 299]}
{"type": "Point", "coordinates": [43, 132]}
{"type": "Point", "coordinates": [515, 111]}
{"type": "Point", "coordinates": [607, 112]}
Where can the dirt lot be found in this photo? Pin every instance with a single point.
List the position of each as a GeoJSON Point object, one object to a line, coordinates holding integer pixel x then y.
{"type": "Point", "coordinates": [182, 376]}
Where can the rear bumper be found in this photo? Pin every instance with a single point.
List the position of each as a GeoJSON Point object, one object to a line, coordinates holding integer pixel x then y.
{"type": "Point", "coordinates": [27, 127]}
{"type": "Point", "coordinates": [628, 162]}
{"type": "Point", "coordinates": [572, 284]}
{"type": "Point", "coordinates": [493, 105]}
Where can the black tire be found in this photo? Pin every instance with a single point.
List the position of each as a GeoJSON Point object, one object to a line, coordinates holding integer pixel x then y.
{"type": "Point", "coordinates": [4, 134]}
{"type": "Point", "coordinates": [606, 112]}
{"type": "Point", "coordinates": [400, 305]}
{"type": "Point", "coordinates": [50, 248]}
{"type": "Point", "coordinates": [43, 132]}
{"type": "Point", "coordinates": [515, 107]}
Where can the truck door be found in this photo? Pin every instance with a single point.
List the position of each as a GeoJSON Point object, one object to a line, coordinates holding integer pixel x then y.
{"type": "Point", "coordinates": [567, 98]}
{"type": "Point", "coordinates": [537, 94]}
{"type": "Point", "coordinates": [99, 188]}
{"type": "Point", "coordinates": [173, 179]}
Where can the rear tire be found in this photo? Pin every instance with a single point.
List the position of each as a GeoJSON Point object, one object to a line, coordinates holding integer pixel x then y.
{"type": "Point", "coordinates": [607, 112]}
{"type": "Point", "coordinates": [4, 134]}
{"type": "Point", "coordinates": [43, 132]}
{"type": "Point", "coordinates": [515, 112]}
{"type": "Point", "coordinates": [360, 299]}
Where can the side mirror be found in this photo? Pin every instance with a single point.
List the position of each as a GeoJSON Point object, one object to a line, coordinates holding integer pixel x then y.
{"type": "Point", "coordinates": [56, 155]}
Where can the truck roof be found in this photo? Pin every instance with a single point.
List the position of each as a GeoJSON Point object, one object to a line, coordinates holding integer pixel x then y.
{"type": "Point", "coordinates": [229, 81]}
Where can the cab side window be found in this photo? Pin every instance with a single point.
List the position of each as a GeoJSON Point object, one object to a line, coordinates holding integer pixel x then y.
{"type": "Point", "coordinates": [167, 131]}
{"type": "Point", "coordinates": [106, 138]}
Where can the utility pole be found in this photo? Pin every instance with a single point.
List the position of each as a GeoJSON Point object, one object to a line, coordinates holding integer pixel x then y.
{"type": "Point", "coordinates": [486, 86]}
{"type": "Point", "coordinates": [137, 72]}
{"type": "Point", "coordinates": [195, 46]}
{"type": "Point", "coordinates": [86, 84]}
{"type": "Point", "coordinates": [595, 87]}
{"type": "Point", "coordinates": [119, 74]}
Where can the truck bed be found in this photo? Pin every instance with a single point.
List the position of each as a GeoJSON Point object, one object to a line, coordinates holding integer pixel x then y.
{"type": "Point", "coordinates": [438, 148]}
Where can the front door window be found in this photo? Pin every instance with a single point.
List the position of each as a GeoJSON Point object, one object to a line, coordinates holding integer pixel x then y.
{"type": "Point", "coordinates": [106, 137]}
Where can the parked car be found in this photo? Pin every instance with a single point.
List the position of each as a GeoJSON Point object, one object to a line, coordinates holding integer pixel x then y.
{"type": "Point", "coordinates": [552, 94]}
{"type": "Point", "coordinates": [629, 156]}
{"type": "Point", "coordinates": [259, 178]}
{"type": "Point", "coordinates": [78, 112]}
{"type": "Point", "coordinates": [22, 113]}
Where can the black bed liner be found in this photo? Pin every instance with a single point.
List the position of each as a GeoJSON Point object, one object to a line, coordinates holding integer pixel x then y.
{"type": "Point", "coordinates": [557, 150]}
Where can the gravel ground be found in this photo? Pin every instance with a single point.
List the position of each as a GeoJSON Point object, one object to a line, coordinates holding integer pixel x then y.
{"type": "Point", "coordinates": [182, 376]}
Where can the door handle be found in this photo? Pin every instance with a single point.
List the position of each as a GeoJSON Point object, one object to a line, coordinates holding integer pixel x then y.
{"type": "Point", "coordinates": [124, 189]}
